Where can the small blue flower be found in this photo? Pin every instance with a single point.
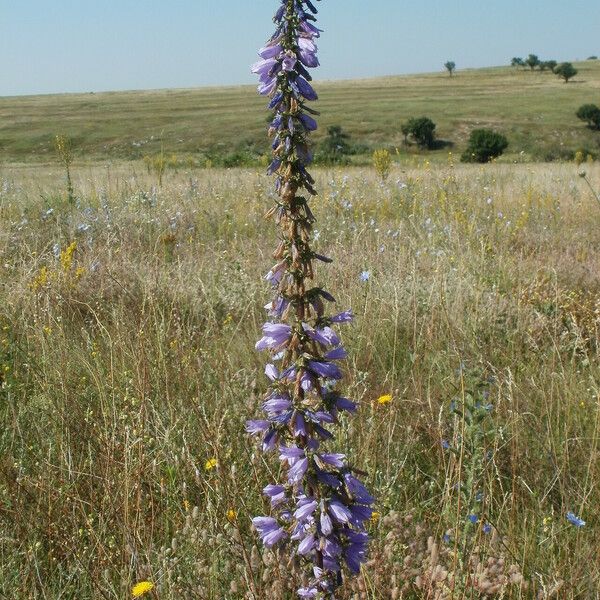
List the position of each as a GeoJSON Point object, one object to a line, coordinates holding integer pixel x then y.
{"type": "Point", "coordinates": [446, 538]}
{"type": "Point", "coordinates": [445, 444]}
{"type": "Point", "coordinates": [487, 528]}
{"type": "Point", "coordinates": [473, 518]}
{"type": "Point", "coordinates": [365, 276]}
{"type": "Point", "coordinates": [574, 520]}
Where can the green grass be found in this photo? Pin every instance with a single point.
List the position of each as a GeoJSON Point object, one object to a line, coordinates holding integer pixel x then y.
{"type": "Point", "coordinates": [535, 110]}
{"type": "Point", "coordinates": [128, 362]}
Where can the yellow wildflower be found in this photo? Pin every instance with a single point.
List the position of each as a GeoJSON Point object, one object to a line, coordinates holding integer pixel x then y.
{"type": "Point", "coordinates": [141, 588]}
{"type": "Point", "coordinates": [210, 464]}
{"type": "Point", "coordinates": [231, 515]}
{"type": "Point", "coordinates": [385, 399]}
{"type": "Point", "coordinates": [66, 256]}
{"type": "Point", "coordinates": [375, 517]}
{"type": "Point", "coordinates": [40, 280]}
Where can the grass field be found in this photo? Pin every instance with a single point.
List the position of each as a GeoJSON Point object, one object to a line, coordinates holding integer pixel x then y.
{"type": "Point", "coordinates": [535, 110]}
{"type": "Point", "coordinates": [128, 321]}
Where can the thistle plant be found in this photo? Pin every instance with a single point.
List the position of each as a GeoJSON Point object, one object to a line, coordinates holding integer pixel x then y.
{"type": "Point", "coordinates": [319, 510]}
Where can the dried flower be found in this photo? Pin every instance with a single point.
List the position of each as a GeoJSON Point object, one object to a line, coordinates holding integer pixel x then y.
{"type": "Point", "coordinates": [321, 508]}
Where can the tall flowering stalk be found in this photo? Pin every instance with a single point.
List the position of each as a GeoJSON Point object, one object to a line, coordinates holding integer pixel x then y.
{"type": "Point", "coordinates": [319, 511]}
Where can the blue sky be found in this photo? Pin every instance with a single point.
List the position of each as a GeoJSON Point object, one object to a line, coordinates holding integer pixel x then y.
{"type": "Point", "coordinates": [95, 45]}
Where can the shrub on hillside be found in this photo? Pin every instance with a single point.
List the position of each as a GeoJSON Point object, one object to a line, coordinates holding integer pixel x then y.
{"type": "Point", "coordinates": [422, 131]}
{"type": "Point", "coordinates": [590, 113]}
{"type": "Point", "coordinates": [484, 145]}
{"type": "Point", "coordinates": [335, 148]}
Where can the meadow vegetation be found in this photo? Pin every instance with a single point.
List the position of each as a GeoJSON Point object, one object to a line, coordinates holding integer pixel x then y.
{"type": "Point", "coordinates": [225, 127]}
{"type": "Point", "coordinates": [128, 319]}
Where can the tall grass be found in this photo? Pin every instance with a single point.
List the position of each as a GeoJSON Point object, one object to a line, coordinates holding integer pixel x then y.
{"type": "Point", "coordinates": [127, 329]}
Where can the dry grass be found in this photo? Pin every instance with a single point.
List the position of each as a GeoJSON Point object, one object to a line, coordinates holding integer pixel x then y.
{"type": "Point", "coordinates": [128, 365]}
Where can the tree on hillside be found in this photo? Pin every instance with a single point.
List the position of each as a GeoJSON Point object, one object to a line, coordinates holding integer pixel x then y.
{"type": "Point", "coordinates": [566, 70]}
{"type": "Point", "coordinates": [590, 113]}
{"type": "Point", "coordinates": [484, 145]}
{"type": "Point", "coordinates": [450, 67]}
{"type": "Point", "coordinates": [532, 61]}
{"type": "Point", "coordinates": [549, 65]}
{"type": "Point", "coordinates": [422, 131]}
{"type": "Point", "coordinates": [517, 62]}
{"type": "Point", "coordinates": [593, 57]}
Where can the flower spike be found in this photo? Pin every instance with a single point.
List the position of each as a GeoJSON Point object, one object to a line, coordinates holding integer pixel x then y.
{"type": "Point", "coordinates": [320, 509]}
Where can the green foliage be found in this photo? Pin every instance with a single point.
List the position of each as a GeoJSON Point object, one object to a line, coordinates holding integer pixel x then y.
{"type": "Point", "coordinates": [335, 148]}
{"type": "Point", "coordinates": [590, 113]}
{"type": "Point", "coordinates": [422, 131]}
{"type": "Point", "coordinates": [382, 161]}
{"type": "Point", "coordinates": [517, 62]}
{"type": "Point", "coordinates": [566, 71]}
{"type": "Point", "coordinates": [450, 67]}
{"type": "Point", "coordinates": [532, 61]}
{"type": "Point", "coordinates": [484, 145]}
{"type": "Point", "coordinates": [548, 65]}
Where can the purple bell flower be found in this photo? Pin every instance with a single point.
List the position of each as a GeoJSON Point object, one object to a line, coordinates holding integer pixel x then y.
{"type": "Point", "coordinates": [302, 405]}
{"type": "Point", "coordinates": [269, 530]}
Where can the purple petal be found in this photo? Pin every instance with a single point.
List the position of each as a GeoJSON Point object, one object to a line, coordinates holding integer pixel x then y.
{"type": "Point", "coordinates": [254, 427]}
{"type": "Point", "coordinates": [296, 473]}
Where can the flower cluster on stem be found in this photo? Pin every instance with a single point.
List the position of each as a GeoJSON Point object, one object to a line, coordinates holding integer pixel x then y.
{"type": "Point", "coordinates": [320, 509]}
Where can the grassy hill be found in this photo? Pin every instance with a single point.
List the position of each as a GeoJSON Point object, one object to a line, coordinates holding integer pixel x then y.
{"type": "Point", "coordinates": [535, 110]}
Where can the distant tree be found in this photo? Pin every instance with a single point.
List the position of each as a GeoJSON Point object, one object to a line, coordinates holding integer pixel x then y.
{"type": "Point", "coordinates": [590, 113]}
{"type": "Point", "coordinates": [566, 70]}
{"type": "Point", "coordinates": [532, 61]}
{"type": "Point", "coordinates": [548, 65]}
{"type": "Point", "coordinates": [593, 57]}
{"type": "Point", "coordinates": [422, 131]}
{"type": "Point", "coordinates": [517, 62]}
{"type": "Point", "coordinates": [484, 145]}
{"type": "Point", "coordinates": [450, 67]}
